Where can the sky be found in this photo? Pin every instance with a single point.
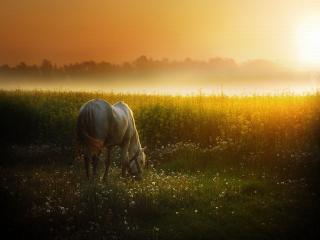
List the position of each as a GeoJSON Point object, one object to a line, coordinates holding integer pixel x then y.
{"type": "Point", "coordinates": [121, 30]}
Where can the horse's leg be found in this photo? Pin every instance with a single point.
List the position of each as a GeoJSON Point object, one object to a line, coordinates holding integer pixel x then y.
{"type": "Point", "coordinates": [107, 163]}
{"type": "Point", "coordinates": [95, 159]}
{"type": "Point", "coordinates": [124, 158]}
{"type": "Point", "coordinates": [86, 164]}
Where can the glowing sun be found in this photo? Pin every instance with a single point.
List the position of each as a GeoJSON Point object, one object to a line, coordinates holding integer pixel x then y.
{"type": "Point", "coordinates": [308, 38]}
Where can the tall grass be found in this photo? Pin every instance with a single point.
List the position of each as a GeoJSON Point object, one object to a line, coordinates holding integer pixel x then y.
{"type": "Point", "coordinates": [235, 127]}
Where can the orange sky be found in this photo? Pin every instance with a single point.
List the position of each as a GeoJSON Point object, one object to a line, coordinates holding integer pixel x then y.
{"type": "Point", "coordinates": [117, 30]}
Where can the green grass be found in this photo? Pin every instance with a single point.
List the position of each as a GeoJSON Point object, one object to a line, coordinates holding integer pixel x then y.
{"type": "Point", "coordinates": [222, 168]}
{"type": "Point", "coordinates": [56, 201]}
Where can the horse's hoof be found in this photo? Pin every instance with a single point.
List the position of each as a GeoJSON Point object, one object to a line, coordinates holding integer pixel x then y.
{"type": "Point", "coordinates": [137, 178]}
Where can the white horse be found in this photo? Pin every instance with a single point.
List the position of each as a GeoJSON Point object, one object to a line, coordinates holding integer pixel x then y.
{"type": "Point", "coordinates": [100, 125]}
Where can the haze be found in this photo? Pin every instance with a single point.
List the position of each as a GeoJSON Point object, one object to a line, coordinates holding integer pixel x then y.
{"type": "Point", "coordinates": [284, 32]}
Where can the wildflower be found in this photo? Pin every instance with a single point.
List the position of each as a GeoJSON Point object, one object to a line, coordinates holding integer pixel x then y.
{"type": "Point", "coordinates": [63, 210]}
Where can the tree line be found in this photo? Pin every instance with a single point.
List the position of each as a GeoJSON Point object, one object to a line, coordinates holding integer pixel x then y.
{"type": "Point", "coordinates": [141, 64]}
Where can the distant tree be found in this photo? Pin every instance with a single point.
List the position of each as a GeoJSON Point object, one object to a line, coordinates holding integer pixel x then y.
{"type": "Point", "coordinates": [260, 66]}
{"type": "Point", "coordinates": [127, 67]}
{"type": "Point", "coordinates": [46, 67]}
{"type": "Point", "coordinates": [5, 69]}
{"type": "Point", "coordinates": [22, 66]}
{"type": "Point", "coordinates": [105, 67]}
{"type": "Point", "coordinates": [142, 63]}
{"type": "Point", "coordinates": [222, 64]}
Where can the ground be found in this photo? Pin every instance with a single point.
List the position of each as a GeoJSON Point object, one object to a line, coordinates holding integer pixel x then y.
{"type": "Point", "coordinates": [55, 200]}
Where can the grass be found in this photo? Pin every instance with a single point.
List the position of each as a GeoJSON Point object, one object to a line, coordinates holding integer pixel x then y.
{"type": "Point", "coordinates": [56, 201]}
{"type": "Point", "coordinates": [253, 122]}
{"type": "Point", "coordinates": [222, 168]}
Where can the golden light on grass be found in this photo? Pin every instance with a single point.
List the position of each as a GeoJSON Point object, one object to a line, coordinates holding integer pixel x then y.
{"type": "Point", "coordinates": [308, 39]}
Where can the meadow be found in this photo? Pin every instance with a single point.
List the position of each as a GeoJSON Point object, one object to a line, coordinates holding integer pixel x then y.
{"type": "Point", "coordinates": [221, 167]}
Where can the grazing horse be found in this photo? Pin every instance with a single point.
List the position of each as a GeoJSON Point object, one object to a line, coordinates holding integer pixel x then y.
{"type": "Point", "coordinates": [102, 125]}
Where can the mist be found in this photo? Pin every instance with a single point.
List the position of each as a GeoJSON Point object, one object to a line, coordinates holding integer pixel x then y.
{"type": "Point", "coordinates": [173, 83]}
{"type": "Point", "coordinates": [152, 76]}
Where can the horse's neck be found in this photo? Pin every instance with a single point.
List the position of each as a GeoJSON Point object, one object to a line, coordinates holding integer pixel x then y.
{"type": "Point", "coordinates": [134, 143]}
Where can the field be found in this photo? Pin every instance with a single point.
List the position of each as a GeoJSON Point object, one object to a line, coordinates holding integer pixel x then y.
{"type": "Point", "coordinates": [221, 168]}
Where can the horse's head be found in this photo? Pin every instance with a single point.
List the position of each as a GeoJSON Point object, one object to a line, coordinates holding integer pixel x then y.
{"type": "Point", "coordinates": [137, 162]}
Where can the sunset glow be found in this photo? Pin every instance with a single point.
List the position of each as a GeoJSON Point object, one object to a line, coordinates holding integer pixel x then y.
{"type": "Point", "coordinates": [236, 46]}
{"type": "Point", "coordinates": [118, 31]}
{"type": "Point", "coordinates": [308, 35]}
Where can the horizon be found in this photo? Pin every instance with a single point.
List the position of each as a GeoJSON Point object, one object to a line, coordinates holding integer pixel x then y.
{"type": "Point", "coordinates": [166, 77]}
{"type": "Point", "coordinates": [151, 59]}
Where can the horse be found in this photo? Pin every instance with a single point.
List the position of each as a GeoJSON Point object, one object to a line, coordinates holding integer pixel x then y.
{"type": "Point", "coordinates": [101, 125]}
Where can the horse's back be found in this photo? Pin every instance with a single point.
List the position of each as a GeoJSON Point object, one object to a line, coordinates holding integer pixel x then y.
{"type": "Point", "coordinates": [95, 118]}
{"type": "Point", "coordinates": [99, 106]}
{"type": "Point", "coordinates": [122, 109]}
{"type": "Point", "coordinates": [100, 120]}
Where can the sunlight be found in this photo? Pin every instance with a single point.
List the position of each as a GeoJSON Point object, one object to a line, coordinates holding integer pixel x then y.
{"type": "Point", "coordinates": [308, 36]}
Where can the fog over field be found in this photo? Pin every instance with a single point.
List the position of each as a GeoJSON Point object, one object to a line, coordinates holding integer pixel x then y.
{"type": "Point", "coordinates": [172, 85]}
{"type": "Point", "coordinates": [145, 75]}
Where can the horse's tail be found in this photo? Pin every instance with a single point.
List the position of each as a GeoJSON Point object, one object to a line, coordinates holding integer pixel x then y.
{"type": "Point", "coordinates": [84, 138]}
{"type": "Point", "coordinates": [95, 145]}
